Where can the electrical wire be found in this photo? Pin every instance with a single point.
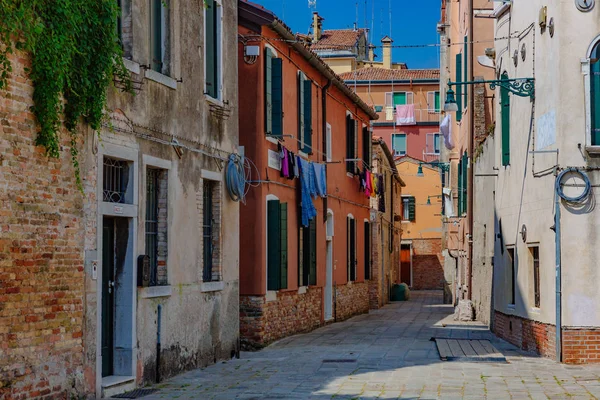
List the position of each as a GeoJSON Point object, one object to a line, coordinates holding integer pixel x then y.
{"type": "Point", "coordinates": [586, 190]}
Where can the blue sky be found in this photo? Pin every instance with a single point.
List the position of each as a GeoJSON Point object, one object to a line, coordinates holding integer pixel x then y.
{"type": "Point", "coordinates": [413, 22]}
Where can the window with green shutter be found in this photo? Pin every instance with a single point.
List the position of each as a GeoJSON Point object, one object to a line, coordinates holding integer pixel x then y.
{"type": "Point", "coordinates": [350, 145]}
{"type": "Point", "coordinates": [212, 48]}
{"type": "Point", "coordinates": [273, 94]}
{"type": "Point", "coordinates": [307, 254]}
{"type": "Point", "coordinates": [367, 146]}
{"type": "Point", "coordinates": [595, 94]}
{"type": "Point", "coordinates": [465, 183]}
{"type": "Point", "coordinates": [412, 209]}
{"type": "Point", "coordinates": [459, 87]}
{"type": "Point", "coordinates": [277, 259]}
{"type": "Point", "coordinates": [466, 69]}
{"type": "Point", "coordinates": [351, 248]}
{"type": "Point", "coordinates": [460, 188]}
{"type": "Point", "coordinates": [158, 31]}
{"type": "Point", "coordinates": [399, 144]}
{"type": "Point", "coordinates": [307, 115]}
{"type": "Point", "coordinates": [505, 116]}
{"type": "Point", "coordinates": [367, 250]}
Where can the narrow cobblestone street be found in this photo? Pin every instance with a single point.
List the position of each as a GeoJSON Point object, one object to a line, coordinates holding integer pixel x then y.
{"type": "Point", "coordinates": [386, 354]}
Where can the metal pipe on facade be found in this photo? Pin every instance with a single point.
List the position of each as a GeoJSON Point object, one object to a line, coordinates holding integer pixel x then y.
{"type": "Point", "coordinates": [471, 149]}
{"type": "Point", "coordinates": [558, 274]}
{"type": "Point", "coordinates": [158, 324]}
{"type": "Point", "coordinates": [324, 130]}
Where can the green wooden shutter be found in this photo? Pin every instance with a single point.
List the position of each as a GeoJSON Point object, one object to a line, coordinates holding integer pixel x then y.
{"type": "Point", "coordinates": [353, 249]}
{"type": "Point", "coordinates": [465, 179]}
{"type": "Point", "coordinates": [277, 96]}
{"type": "Point", "coordinates": [210, 47]}
{"type": "Point", "coordinates": [595, 96]}
{"type": "Point", "coordinates": [312, 276]}
{"type": "Point", "coordinates": [367, 251]}
{"type": "Point", "coordinates": [268, 91]}
{"type": "Point", "coordinates": [307, 92]}
{"type": "Point", "coordinates": [273, 245]}
{"type": "Point", "coordinates": [466, 68]}
{"type": "Point", "coordinates": [505, 113]}
{"type": "Point", "coordinates": [348, 257]}
{"type": "Point", "coordinates": [157, 35]}
{"type": "Point", "coordinates": [437, 101]}
{"type": "Point", "coordinates": [301, 256]}
{"type": "Point", "coordinates": [411, 209]}
{"type": "Point", "coordinates": [366, 146]}
{"type": "Point", "coordinates": [459, 87]}
{"type": "Point", "coordinates": [284, 245]}
{"type": "Point", "coordinates": [300, 88]}
{"type": "Point", "coordinates": [460, 188]}
{"type": "Point", "coordinates": [349, 144]}
{"type": "Point", "coordinates": [399, 98]}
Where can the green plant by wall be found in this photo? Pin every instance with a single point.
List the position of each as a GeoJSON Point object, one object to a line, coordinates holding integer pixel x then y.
{"type": "Point", "coordinates": [75, 51]}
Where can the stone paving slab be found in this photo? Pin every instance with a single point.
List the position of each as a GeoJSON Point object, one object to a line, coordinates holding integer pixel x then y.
{"type": "Point", "coordinates": [394, 359]}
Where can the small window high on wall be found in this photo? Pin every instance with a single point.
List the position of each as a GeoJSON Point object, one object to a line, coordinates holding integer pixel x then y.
{"type": "Point", "coordinates": [595, 95]}
{"type": "Point", "coordinates": [212, 48]}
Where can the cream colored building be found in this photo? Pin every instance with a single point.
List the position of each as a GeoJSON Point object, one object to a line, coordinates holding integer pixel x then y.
{"type": "Point", "coordinates": [558, 44]}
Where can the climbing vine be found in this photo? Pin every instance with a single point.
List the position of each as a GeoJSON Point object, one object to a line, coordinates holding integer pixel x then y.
{"type": "Point", "coordinates": [75, 50]}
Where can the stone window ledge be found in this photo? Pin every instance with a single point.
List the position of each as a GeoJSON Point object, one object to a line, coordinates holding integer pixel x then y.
{"type": "Point", "coordinates": [132, 66]}
{"type": "Point", "coordinates": [155, 291]}
{"type": "Point", "coordinates": [160, 78]}
{"type": "Point", "coordinates": [592, 149]}
{"type": "Point", "coordinates": [212, 286]}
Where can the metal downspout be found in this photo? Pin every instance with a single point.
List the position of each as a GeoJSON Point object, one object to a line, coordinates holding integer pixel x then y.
{"type": "Point", "coordinates": [324, 133]}
{"type": "Point", "coordinates": [558, 273]}
{"type": "Point", "coordinates": [471, 150]}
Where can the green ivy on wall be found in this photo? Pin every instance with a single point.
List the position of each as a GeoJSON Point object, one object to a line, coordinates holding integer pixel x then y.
{"type": "Point", "coordinates": [75, 50]}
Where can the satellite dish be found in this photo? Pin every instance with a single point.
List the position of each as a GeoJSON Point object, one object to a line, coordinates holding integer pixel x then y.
{"type": "Point", "coordinates": [486, 61]}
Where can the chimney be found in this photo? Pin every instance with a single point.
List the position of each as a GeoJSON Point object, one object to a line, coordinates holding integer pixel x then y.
{"type": "Point", "coordinates": [371, 52]}
{"type": "Point", "coordinates": [387, 52]}
{"type": "Point", "coordinates": [317, 26]}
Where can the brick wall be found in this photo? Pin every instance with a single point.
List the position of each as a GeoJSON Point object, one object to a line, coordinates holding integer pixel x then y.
{"type": "Point", "coordinates": [41, 256]}
{"type": "Point", "coordinates": [351, 300]}
{"type": "Point", "coordinates": [526, 334]}
{"type": "Point", "coordinates": [427, 264]}
{"type": "Point", "coordinates": [581, 345]}
{"type": "Point", "coordinates": [262, 322]}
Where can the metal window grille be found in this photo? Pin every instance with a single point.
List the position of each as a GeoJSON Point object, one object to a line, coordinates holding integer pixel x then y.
{"type": "Point", "coordinates": [535, 253]}
{"type": "Point", "coordinates": [207, 235]}
{"type": "Point", "coordinates": [114, 180]}
{"type": "Point", "coordinates": [511, 260]}
{"type": "Point", "coordinates": [152, 223]}
{"type": "Point", "coordinates": [405, 209]}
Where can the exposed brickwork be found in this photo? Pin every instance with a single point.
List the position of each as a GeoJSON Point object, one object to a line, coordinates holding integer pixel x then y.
{"type": "Point", "coordinates": [427, 264]}
{"type": "Point", "coordinates": [162, 227]}
{"type": "Point", "coordinates": [526, 334]}
{"type": "Point", "coordinates": [581, 346]}
{"type": "Point", "coordinates": [351, 300]}
{"type": "Point", "coordinates": [41, 256]}
{"type": "Point", "coordinates": [479, 128]}
{"type": "Point", "coordinates": [217, 236]}
{"type": "Point", "coordinates": [262, 322]}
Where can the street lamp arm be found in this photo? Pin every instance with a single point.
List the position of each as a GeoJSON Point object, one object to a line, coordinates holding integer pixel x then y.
{"type": "Point", "coordinates": [523, 87]}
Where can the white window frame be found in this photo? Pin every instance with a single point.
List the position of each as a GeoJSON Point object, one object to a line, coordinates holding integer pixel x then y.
{"type": "Point", "coordinates": [430, 139]}
{"type": "Point", "coordinates": [431, 101]}
{"type": "Point", "coordinates": [585, 71]}
{"type": "Point", "coordinates": [271, 294]}
{"type": "Point", "coordinates": [390, 96]}
{"type": "Point", "coordinates": [405, 143]}
{"type": "Point", "coordinates": [219, 22]}
{"type": "Point", "coordinates": [405, 210]}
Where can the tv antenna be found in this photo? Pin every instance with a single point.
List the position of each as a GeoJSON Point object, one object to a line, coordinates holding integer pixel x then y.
{"type": "Point", "coordinates": [312, 4]}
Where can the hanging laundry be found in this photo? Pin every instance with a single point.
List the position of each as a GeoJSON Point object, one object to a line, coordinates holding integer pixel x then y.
{"type": "Point", "coordinates": [296, 167]}
{"type": "Point", "coordinates": [368, 183]}
{"type": "Point", "coordinates": [284, 171]}
{"type": "Point", "coordinates": [405, 114]}
{"type": "Point", "coordinates": [307, 208]}
{"type": "Point", "coordinates": [373, 185]}
{"type": "Point", "coordinates": [320, 179]}
{"type": "Point", "coordinates": [361, 180]}
{"type": "Point", "coordinates": [446, 129]}
{"type": "Point", "coordinates": [291, 162]}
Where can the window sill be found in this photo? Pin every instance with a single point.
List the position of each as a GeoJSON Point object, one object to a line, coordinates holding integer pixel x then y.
{"type": "Point", "coordinates": [152, 292]}
{"type": "Point", "coordinates": [160, 78]}
{"type": "Point", "coordinates": [272, 139]}
{"type": "Point", "coordinates": [592, 149]}
{"type": "Point", "coordinates": [535, 310]}
{"type": "Point", "coordinates": [214, 101]}
{"type": "Point", "coordinates": [349, 174]}
{"type": "Point", "coordinates": [303, 154]}
{"type": "Point", "coordinates": [511, 307]}
{"type": "Point", "coordinates": [271, 296]}
{"type": "Point", "coordinates": [302, 289]}
{"type": "Point", "coordinates": [132, 66]}
{"type": "Point", "coordinates": [212, 286]}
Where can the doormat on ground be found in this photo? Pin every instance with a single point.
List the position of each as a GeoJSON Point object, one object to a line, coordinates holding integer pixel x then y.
{"type": "Point", "coordinates": [468, 350]}
{"type": "Point", "coordinates": [135, 394]}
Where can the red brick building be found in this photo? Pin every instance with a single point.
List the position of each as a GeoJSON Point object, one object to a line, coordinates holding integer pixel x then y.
{"type": "Point", "coordinates": [293, 277]}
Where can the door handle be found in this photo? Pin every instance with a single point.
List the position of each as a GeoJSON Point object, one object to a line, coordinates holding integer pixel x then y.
{"type": "Point", "coordinates": [111, 284]}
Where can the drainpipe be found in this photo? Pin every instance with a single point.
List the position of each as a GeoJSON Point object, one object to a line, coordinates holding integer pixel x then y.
{"type": "Point", "coordinates": [472, 146]}
{"type": "Point", "coordinates": [558, 275]}
{"type": "Point", "coordinates": [324, 130]}
{"type": "Point", "coordinates": [158, 343]}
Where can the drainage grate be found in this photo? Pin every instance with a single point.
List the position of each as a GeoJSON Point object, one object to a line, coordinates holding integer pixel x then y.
{"type": "Point", "coordinates": [339, 361]}
{"type": "Point", "coordinates": [135, 394]}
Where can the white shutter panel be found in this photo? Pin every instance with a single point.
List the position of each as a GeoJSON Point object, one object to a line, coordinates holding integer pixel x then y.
{"type": "Point", "coordinates": [430, 101]}
{"type": "Point", "coordinates": [389, 99]}
{"type": "Point", "coordinates": [409, 98]}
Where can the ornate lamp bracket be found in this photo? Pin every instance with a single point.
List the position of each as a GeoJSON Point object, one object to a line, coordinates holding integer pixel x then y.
{"type": "Point", "coordinates": [522, 87]}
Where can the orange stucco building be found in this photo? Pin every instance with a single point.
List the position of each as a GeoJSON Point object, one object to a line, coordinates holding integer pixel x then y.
{"type": "Point", "coordinates": [293, 277]}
